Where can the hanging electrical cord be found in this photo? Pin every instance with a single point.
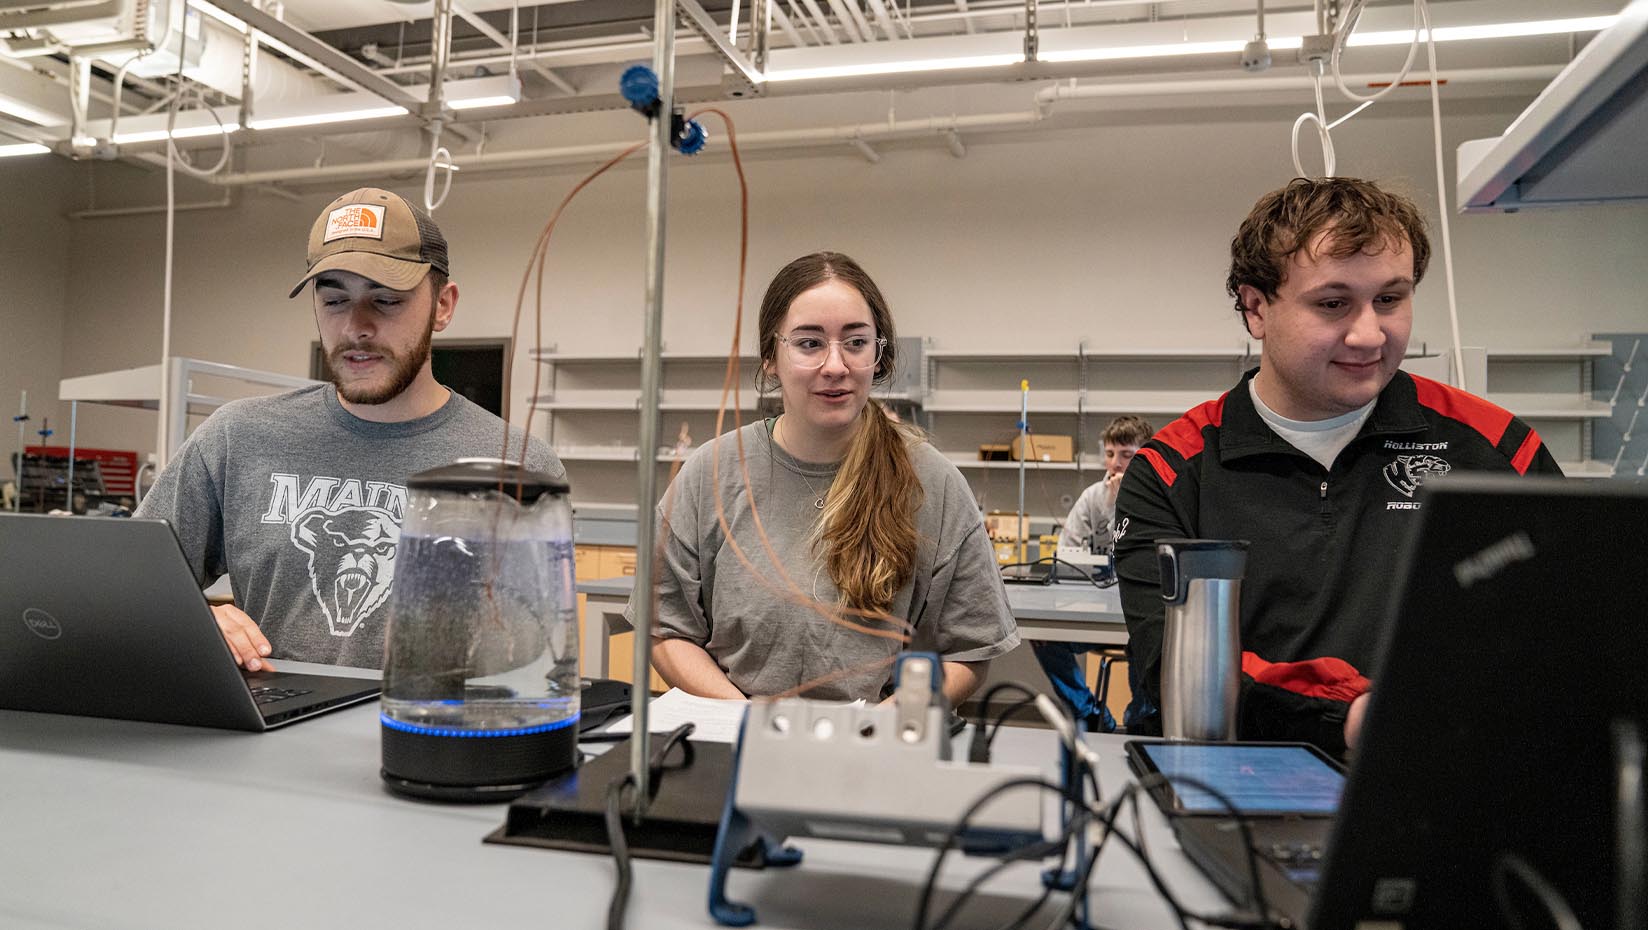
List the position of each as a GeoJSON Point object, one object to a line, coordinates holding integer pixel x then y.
{"type": "Point", "coordinates": [1442, 208]}
{"type": "Point", "coordinates": [1347, 26]}
{"type": "Point", "coordinates": [440, 160]}
{"type": "Point", "coordinates": [1422, 31]}
{"type": "Point", "coordinates": [182, 160]}
{"type": "Point", "coordinates": [119, 83]}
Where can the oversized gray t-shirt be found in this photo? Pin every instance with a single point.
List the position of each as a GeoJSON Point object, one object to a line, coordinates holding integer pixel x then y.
{"type": "Point", "coordinates": [300, 503]}
{"type": "Point", "coordinates": [766, 643]}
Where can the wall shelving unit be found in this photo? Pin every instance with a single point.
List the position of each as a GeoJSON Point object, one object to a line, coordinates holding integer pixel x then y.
{"type": "Point", "coordinates": [965, 398]}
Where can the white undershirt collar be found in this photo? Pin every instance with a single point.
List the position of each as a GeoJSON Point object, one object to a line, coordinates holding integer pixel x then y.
{"type": "Point", "coordinates": [1322, 440]}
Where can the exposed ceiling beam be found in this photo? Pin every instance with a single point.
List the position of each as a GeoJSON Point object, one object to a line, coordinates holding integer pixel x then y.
{"type": "Point", "coordinates": [485, 29]}
{"type": "Point", "coordinates": [744, 73]}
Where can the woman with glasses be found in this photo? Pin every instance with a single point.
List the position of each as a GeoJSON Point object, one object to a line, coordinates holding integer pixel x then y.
{"type": "Point", "coordinates": [840, 539]}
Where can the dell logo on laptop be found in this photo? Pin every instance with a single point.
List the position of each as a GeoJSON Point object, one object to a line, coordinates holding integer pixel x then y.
{"type": "Point", "coordinates": [42, 624]}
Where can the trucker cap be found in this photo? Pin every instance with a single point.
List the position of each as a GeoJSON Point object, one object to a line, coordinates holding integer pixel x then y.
{"type": "Point", "coordinates": [377, 235]}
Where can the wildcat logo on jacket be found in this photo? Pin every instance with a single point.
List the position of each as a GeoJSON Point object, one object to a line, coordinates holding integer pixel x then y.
{"type": "Point", "coordinates": [349, 530]}
{"type": "Point", "coordinates": [1408, 472]}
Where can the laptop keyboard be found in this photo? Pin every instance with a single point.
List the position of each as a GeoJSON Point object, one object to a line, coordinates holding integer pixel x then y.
{"type": "Point", "coordinates": [266, 695]}
{"type": "Point", "coordinates": [1299, 860]}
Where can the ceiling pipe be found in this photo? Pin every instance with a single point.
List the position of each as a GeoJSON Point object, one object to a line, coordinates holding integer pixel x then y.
{"type": "Point", "coordinates": [1047, 96]}
{"type": "Point", "coordinates": [782, 19]}
{"type": "Point", "coordinates": [823, 21]}
{"type": "Point", "coordinates": [942, 126]}
{"type": "Point", "coordinates": [867, 132]}
{"type": "Point", "coordinates": [879, 9]}
{"type": "Point", "coordinates": [848, 24]}
{"type": "Point", "coordinates": [441, 49]}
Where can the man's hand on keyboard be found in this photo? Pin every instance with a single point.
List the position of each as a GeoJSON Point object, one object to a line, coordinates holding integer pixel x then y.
{"type": "Point", "coordinates": [245, 640]}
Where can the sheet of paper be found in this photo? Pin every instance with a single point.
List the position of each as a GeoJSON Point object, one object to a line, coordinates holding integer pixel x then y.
{"type": "Point", "coordinates": [715, 721]}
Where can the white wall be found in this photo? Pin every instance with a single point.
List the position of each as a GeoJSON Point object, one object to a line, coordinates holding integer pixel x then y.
{"type": "Point", "coordinates": [34, 272]}
{"type": "Point", "coordinates": [1111, 233]}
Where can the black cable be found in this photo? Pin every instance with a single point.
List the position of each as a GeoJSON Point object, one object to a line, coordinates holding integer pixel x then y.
{"type": "Point", "coordinates": [983, 754]}
{"type": "Point", "coordinates": [1074, 826]}
{"type": "Point", "coordinates": [1101, 585]}
{"type": "Point", "coordinates": [1001, 686]}
{"type": "Point", "coordinates": [1256, 891]}
{"type": "Point", "coordinates": [1182, 914]}
{"type": "Point", "coordinates": [1033, 851]}
{"type": "Point", "coordinates": [615, 817]}
{"type": "Point", "coordinates": [655, 765]}
{"type": "Point", "coordinates": [979, 749]}
{"type": "Point", "coordinates": [620, 850]}
{"type": "Point", "coordinates": [924, 903]}
{"type": "Point", "coordinates": [1508, 865]}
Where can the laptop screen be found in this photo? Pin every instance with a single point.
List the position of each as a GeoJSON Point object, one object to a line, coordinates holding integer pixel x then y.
{"type": "Point", "coordinates": [1256, 778]}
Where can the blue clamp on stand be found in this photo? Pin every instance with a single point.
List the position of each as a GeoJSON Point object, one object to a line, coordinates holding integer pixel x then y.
{"type": "Point", "coordinates": [639, 85]}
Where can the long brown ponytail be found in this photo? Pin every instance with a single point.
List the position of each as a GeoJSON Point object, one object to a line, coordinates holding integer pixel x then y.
{"type": "Point", "coordinates": [867, 535]}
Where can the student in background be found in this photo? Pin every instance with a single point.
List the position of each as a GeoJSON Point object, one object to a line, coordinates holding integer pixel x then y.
{"type": "Point", "coordinates": [1089, 525]}
{"type": "Point", "coordinates": [860, 513]}
{"type": "Point", "coordinates": [1095, 511]}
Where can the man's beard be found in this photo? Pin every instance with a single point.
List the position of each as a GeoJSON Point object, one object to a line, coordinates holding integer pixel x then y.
{"type": "Point", "coordinates": [403, 372]}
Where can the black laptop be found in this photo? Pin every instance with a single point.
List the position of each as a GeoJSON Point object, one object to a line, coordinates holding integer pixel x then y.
{"type": "Point", "coordinates": [1499, 778]}
{"type": "Point", "coordinates": [102, 617]}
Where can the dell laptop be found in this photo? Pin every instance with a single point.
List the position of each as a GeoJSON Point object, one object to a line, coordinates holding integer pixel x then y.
{"type": "Point", "coordinates": [1498, 781]}
{"type": "Point", "coordinates": [102, 617]}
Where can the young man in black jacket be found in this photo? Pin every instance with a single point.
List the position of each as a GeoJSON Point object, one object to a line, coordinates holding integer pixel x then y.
{"type": "Point", "coordinates": [1315, 457]}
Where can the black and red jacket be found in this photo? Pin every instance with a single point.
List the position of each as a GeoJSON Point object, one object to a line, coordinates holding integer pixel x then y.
{"type": "Point", "coordinates": [1324, 542]}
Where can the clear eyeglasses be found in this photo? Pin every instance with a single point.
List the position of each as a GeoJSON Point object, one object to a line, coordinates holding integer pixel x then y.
{"type": "Point", "coordinates": [858, 352]}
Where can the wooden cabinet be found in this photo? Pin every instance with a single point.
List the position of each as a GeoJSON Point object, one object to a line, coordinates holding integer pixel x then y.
{"type": "Point", "coordinates": [610, 562]}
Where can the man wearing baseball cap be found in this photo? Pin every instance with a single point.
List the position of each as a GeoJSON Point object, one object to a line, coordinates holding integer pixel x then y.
{"type": "Point", "coordinates": [299, 497]}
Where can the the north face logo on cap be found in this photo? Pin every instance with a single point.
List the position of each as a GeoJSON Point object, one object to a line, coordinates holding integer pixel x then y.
{"type": "Point", "coordinates": [359, 221]}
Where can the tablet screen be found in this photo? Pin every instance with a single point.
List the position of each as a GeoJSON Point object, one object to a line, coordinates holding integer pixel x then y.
{"type": "Point", "coordinates": [1256, 778]}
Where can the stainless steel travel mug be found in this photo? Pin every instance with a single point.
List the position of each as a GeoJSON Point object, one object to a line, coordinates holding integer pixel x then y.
{"type": "Point", "coordinates": [1201, 640]}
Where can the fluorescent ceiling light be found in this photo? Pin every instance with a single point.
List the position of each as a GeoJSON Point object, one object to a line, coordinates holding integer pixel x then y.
{"type": "Point", "coordinates": [1543, 27]}
{"type": "Point", "coordinates": [1167, 50]}
{"type": "Point", "coordinates": [475, 103]}
{"type": "Point", "coordinates": [1173, 49]}
{"type": "Point", "coordinates": [474, 93]}
{"type": "Point", "coordinates": [23, 148]}
{"type": "Point", "coordinates": [317, 119]}
{"type": "Point", "coordinates": [13, 107]}
{"type": "Point", "coordinates": [189, 132]}
{"type": "Point", "coordinates": [900, 67]}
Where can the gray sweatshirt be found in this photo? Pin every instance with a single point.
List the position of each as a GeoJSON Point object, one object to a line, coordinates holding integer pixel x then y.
{"type": "Point", "coordinates": [749, 621]}
{"type": "Point", "coordinates": [300, 503]}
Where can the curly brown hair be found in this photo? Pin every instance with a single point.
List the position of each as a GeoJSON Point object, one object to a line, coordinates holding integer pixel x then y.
{"type": "Point", "coordinates": [1358, 216]}
{"type": "Point", "coordinates": [1128, 431]}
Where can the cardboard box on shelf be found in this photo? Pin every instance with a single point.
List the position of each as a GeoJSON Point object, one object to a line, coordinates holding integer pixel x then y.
{"type": "Point", "coordinates": [995, 452]}
{"type": "Point", "coordinates": [1001, 526]}
{"type": "Point", "coordinates": [1046, 447]}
